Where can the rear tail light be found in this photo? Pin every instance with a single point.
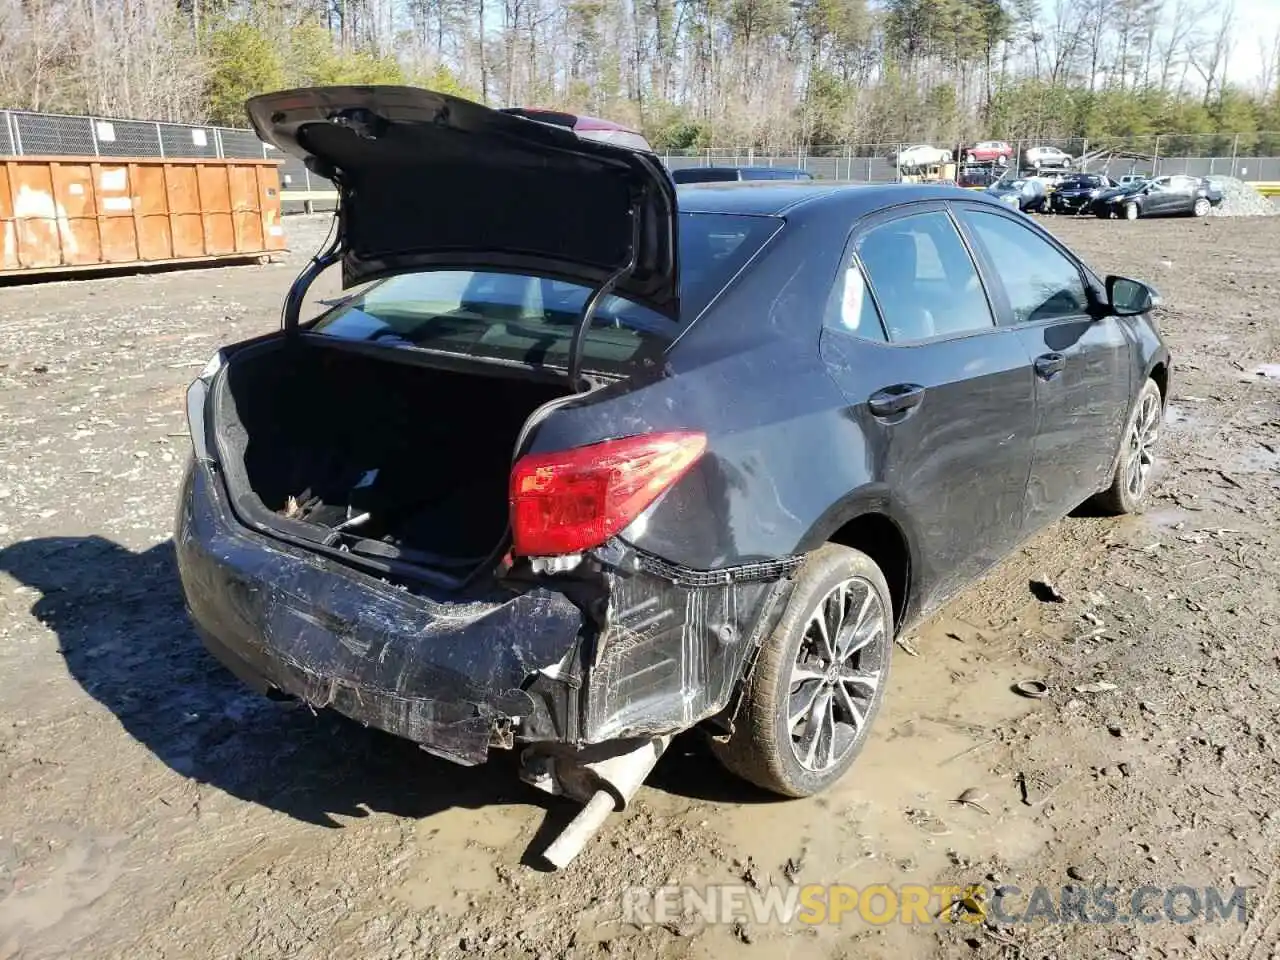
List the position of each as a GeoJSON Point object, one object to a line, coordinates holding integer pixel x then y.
{"type": "Point", "coordinates": [572, 500]}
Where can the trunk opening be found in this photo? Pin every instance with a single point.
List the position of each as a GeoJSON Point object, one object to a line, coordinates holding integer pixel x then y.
{"type": "Point", "coordinates": [383, 459]}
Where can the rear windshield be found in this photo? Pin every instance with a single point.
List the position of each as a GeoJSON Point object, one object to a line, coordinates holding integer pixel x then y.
{"type": "Point", "coordinates": [531, 319]}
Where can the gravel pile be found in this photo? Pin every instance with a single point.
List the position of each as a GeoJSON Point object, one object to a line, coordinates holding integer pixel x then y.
{"type": "Point", "coordinates": [1242, 200]}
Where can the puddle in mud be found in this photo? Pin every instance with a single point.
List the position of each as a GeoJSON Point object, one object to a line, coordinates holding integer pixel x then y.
{"type": "Point", "coordinates": [1176, 415]}
{"type": "Point", "coordinates": [1259, 459]}
{"type": "Point", "coordinates": [892, 819]}
{"type": "Point", "coordinates": [1268, 371]}
{"type": "Point", "coordinates": [1166, 518]}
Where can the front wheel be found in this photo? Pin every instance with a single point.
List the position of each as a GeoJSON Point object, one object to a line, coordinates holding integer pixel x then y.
{"type": "Point", "coordinates": [1132, 480]}
{"type": "Point", "coordinates": [1131, 211]}
{"type": "Point", "coordinates": [1201, 208]}
{"type": "Point", "coordinates": [818, 680]}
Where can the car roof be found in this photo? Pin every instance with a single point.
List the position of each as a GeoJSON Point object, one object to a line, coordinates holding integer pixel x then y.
{"type": "Point", "coordinates": [778, 197]}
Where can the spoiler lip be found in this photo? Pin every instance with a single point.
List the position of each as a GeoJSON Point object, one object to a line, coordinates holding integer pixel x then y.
{"type": "Point", "coordinates": [428, 180]}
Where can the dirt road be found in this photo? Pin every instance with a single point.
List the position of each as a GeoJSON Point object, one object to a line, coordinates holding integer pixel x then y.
{"type": "Point", "coordinates": [151, 808]}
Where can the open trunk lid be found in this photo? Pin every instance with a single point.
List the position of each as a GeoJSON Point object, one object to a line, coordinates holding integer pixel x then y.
{"type": "Point", "coordinates": [428, 180]}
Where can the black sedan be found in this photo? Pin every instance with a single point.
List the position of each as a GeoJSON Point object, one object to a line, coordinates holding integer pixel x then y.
{"type": "Point", "coordinates": [1174, 196]}
{"type": "Point", "coordinates": [1076, 193]}
{"type": "Point", "coordinates": [587, 462]}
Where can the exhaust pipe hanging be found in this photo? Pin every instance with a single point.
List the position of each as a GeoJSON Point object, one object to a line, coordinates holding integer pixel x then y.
{"type": "Point", "coordinates": [613, 782]}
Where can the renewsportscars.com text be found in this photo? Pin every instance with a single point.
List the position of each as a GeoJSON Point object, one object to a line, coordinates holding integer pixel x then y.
{"type": "Point", "coordinates": [921, 904]}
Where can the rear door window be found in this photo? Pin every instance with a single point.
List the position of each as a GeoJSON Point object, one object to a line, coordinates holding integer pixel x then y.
{"type": "Point", "coordinates": [531, 319]}
{"type": "Point", "coordinates": [923, 278]}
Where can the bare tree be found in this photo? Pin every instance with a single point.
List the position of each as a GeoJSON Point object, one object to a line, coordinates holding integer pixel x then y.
{"type": "Point", "coordinates": [1209, 55]}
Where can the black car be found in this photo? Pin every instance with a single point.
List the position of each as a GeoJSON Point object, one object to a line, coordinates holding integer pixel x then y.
{"type": "Point", "coordinates": [583, 465]}
{"type": "Point", "coordinates": [1171, 196]}
{"type": "Point", "coordinates": [1076, 193]}
{"type": "Point", "coordinates": [731, 174]}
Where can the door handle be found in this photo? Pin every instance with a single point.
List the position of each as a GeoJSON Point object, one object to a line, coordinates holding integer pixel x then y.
{"type": "Point", "coordinates": [1049, 365]}
{"type": "Point", "coordinates": [899, 398]}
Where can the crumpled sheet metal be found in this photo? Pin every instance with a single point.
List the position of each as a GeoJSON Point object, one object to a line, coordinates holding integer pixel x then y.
{"type": "Point", "coordinates": [671, 655]}
{"type": "Point", "coordinates": [440, 674]}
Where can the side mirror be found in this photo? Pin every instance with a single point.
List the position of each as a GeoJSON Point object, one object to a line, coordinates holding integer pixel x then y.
{"type": "Point", "coordinates": [1128, 298]}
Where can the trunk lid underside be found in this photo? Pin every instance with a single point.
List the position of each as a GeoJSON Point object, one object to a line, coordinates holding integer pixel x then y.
{"type": "Point", "coordinates": [428, 180]}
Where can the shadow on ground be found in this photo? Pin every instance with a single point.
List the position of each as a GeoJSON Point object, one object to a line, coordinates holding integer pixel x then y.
{"type": "Point", "coordinates": [124, 634]}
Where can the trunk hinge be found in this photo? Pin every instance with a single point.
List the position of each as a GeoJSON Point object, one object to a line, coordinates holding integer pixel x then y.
{"type": "Point", "coordinates": [597, 296]}
{"type": "Point", "coordinates": [325, 258]}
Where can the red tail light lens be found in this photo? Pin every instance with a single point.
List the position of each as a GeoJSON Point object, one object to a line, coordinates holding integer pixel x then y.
{"type": "Point", "coordinates": [572, 500]}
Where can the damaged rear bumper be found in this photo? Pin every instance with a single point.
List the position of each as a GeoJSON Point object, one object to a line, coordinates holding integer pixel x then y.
{"type": "Point", "coordinates": [664, 649]}
{"type": "Point", "coordinates": [452, 676]}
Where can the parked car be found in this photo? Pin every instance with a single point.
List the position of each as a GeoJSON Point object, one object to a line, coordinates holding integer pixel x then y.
{"type": "Point", "coordinates": [987, 151]}
{"type": "Point", "coordinates": [920, 156]}
{"type": "Point", "coordinates": [977, 175]}
{"type": "Point", "coordinates": [1076, 193]}
{"type": "Point", "coordinates": [730, 174]}
{"type": "Point", "coordinates": [1038, 157]}
{"type": "Point", "coordinates": [1028, 194]}
{"type": "Point", "coordinates": [541, 483]}
{"type": "Point", "coordinates": [1160, 197]}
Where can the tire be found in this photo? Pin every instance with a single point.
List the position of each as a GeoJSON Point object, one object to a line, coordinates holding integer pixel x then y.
{"type": "Point", "coordinates": [1003, 159]}
{"type": "Point", "coordinates": [764, 747]}
{"type": "Point", "coordinates": [1201, 207]}
{"type": "Point", "coordinates": [1131, 483]}
{"type": "Point", "coordinates": [1131, 211]}
{"type": "Point", "coordinates": [971, 157]}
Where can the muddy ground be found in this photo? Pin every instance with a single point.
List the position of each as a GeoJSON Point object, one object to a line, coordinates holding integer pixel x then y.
{"type": "Point", "coordinates": [149, 807]}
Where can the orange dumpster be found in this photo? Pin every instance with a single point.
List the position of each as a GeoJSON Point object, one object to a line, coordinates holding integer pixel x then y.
{"type": "Point", "coordinates": [76, 213]}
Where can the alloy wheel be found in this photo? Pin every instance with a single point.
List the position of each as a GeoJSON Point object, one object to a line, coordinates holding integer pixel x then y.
{"type": "Point", "coordinates": [1142, 439]}
{"type": "Point", "coordinates": [835, 679]}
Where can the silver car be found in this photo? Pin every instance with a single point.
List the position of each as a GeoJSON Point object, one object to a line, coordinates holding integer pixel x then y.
{"type": "Point", "coordinates": [1038, 157]}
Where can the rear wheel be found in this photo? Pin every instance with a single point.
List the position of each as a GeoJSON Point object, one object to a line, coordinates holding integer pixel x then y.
{"type": "Point", "coordinates": [819, 679]}
{"type": "Point", "coordinates": [1202, 206]}
{"type": "Point", "coordinates": [971, 157]}
{"type": "Point", "coordinates": [1131, 211]}
{"type": "Point", "coordinates": [1132, 480]}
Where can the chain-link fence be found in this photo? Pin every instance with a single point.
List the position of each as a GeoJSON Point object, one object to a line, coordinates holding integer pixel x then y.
{"type": "Point", "coordinates": [47, 134]}
{"type": "Point", "coordinates": [1254, 156]}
